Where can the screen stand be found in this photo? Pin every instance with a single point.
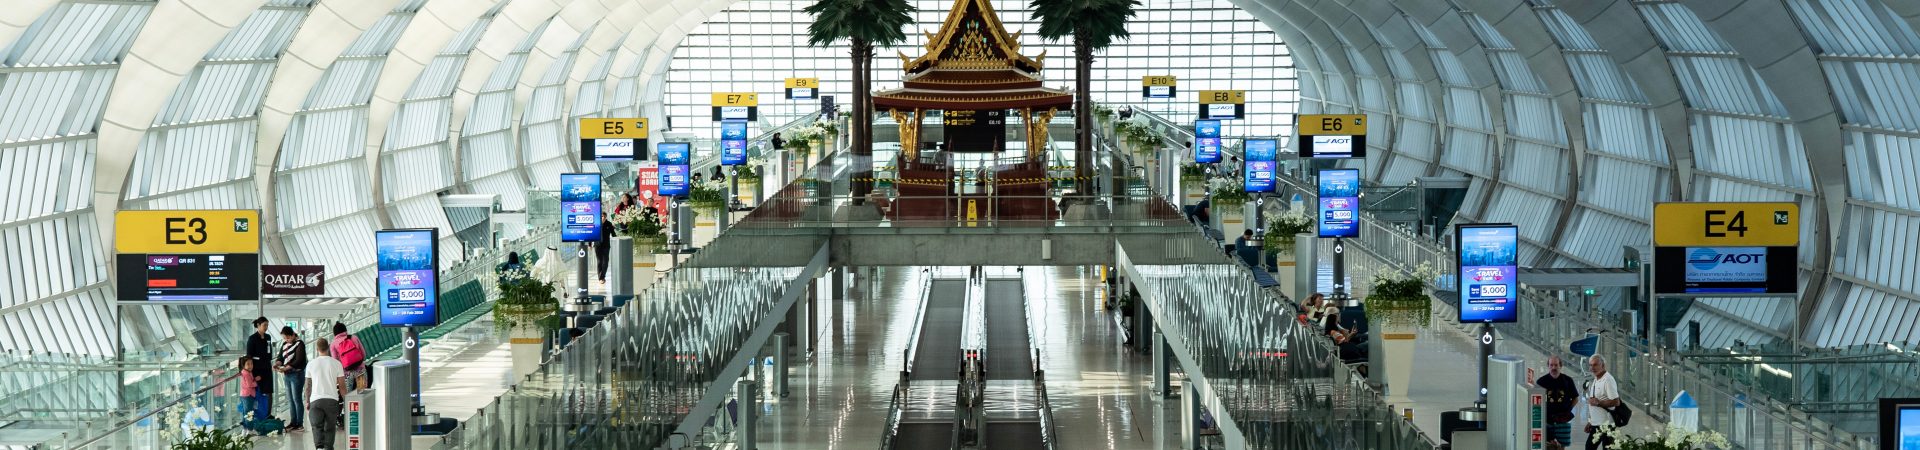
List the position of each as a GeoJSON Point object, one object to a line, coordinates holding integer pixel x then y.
{"type": "Point", "coordinates": [1340, 275]}
{"type": "Point", "coordinates": [1486, 340]}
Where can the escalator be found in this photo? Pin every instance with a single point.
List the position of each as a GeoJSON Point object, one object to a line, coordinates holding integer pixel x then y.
{"type": "Point", "coordinates": [937, 353]}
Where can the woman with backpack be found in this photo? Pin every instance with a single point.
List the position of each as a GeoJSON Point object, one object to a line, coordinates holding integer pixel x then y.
{"type": "Point", "coordinates": [352, 356]}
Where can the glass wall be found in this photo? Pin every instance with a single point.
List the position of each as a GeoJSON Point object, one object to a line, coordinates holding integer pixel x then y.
{"type": "Point", "coordinates": [1208, 44]}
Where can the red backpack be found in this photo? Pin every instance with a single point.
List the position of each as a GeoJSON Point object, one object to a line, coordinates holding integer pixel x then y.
{"type": "Point", "coordinates": [349, 351]}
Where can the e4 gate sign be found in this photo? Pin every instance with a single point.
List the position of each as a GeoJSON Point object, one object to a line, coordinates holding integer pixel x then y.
{"type": "Point", "coordinates": [1726, 224]}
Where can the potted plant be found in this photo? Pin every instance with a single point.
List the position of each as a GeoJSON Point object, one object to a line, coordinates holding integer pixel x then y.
{"type": "Point", "coordinates": [1397, 305]}
{"type": "Point", "coordinates": [1283, 227]}
{"type": "Point", "coordinates": [1670, 439]}
{"type": "Point", "coordinates": [1193, 173]}
{"type": "Point", "coordinates": [644, 226]}
{"type": "Point", "coordinates": [213, 439]}
{"type": "Point", "coordinates": [1103, 114]}
{"type": "Point", "coordinates": [526, 309]}
{"type": "Point", "coordinates": [1227, 193]}
{"type": "Point", "coordinates": [708, 197]}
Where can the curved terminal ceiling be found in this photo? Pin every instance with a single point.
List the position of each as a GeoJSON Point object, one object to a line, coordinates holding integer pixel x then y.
{"type": "Point", "coordinates": [1570, 117]}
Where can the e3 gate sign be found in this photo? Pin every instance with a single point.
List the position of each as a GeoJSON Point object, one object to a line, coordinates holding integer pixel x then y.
{"type": "Point", "coordinates": [1728, 249]}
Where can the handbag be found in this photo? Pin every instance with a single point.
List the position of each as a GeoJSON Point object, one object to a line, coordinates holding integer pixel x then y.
{"type": "Point", "coordinates": [1621, 415]}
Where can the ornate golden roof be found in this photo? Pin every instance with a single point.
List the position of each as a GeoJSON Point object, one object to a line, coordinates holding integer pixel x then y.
{"type": "Point", "coordinates": [972, 37]}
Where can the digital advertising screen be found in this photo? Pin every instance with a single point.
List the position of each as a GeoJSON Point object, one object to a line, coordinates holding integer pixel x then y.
{"type": "Point", "coordinates": [1489, 272]}
{"type": "Point", "coordinates": [1339, 203]}
{"type": "Point", "coordinates": [407, 272]}
{"type": "Point", "coordinates": [733, 152]}
{"type": "Point", "coordinates": [1206, 150]}
{"type": "Point", "coordinates": [1260, 164]}
{"type": "Point", "coordinates": [674, 171]}
{"type": "Point", "coordinates": [189, 277]}
{"type": "Point", "coordinates": [579, 207]}
{"type": "Point", "coordinates": [1725, 270]}
{"type": "Point", "coordinates": [733, 130]}
{"type": "Point", "coordinates": [1899, 423]}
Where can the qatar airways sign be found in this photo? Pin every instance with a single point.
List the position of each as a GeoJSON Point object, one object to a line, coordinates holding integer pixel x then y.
{"type": "Point", "coordinates": [293, 280]}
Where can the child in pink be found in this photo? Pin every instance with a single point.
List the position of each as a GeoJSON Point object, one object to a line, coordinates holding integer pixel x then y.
{"type": "Point", "coordinates": [248, 387]}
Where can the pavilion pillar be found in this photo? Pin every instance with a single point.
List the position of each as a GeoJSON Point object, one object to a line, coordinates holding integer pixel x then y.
{"type": "Point", "coordinates": [909, 132]}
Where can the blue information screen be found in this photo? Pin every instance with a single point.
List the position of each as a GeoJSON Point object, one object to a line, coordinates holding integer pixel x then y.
{"type": "Point", "coordinates": [409, 290]}
{"type": "Point", "coordinates": [1489, 272]}
{"type": "Point", "coordinates": [1206, 141]}
{"type": "Point", "coordinates": [1260, 164]}
{"type": "Point", "coordinates": [733, 152]}
{"type": "Point", "coordinates": [733, 130]}
{"type": "Point", "coordinates": [673, 168]}
{"type": "Point", "coordinates": [579, 207]}
{"type": "Point", "coordinates": [1339, 203]}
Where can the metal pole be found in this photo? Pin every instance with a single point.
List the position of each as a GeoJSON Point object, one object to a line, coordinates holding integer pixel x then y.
{"type": "Point", "coordinates": [749, 393]}
{"type": "Point", "coordinates": [580, 275]}
{"type": "Point", "coordinates": [1340, 272]}
{"type": "Point", "coordinates": [1486, 351]}
{"type": "Point", "coordinates": [780, 364]}
{"type": "Point", "coordinates": [411, 349]}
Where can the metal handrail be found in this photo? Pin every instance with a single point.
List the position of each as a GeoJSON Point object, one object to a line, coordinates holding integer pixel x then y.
{"type": "Point", "coordinates": [920, 317]}
{"type": "Point", "coordinates": [123, 425]}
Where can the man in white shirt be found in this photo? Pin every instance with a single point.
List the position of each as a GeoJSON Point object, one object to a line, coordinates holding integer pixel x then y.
{"type": "Point", "coordinates": [1603, 393]}
{"type": "Point", "coordinates": [326, 385]}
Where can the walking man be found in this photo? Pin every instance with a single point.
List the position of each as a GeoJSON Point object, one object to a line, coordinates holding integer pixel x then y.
{"type": "Point", "coordinates": [292, 365]}
{"type": "Point", "coordinates": [1561, 395]}
{"type": "Point", "coordinates": [326, 385]}
{"type": "Point", "coordinates": [1603, 394]}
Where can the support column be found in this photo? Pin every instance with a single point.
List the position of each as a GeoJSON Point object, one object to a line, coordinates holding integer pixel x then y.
{"type": "Point", "coordinates": [1162, 366]}
{"type": "Point", "coordinates": [1189, 416]}
{"type": "Point", "coordinates": [781, 361]}
{"type": "Point", "coordinates": [749, 393]}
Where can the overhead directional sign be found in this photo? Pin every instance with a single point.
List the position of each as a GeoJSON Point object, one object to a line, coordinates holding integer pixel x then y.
{"type": "Point", "coordinates": [200, 232]}
{"type": "Point", "coordinates": [1771, 224]}
{"type": "Point", "coordinates": [1159, 86]}
{"type": "Point", "coordinates": [736, 106]}
{"type": "Point", "coordinates": [1223, 104]}
{"type": "Point", "coordinates": [1332, 135]}
{"type": "Point", "coordinates": [803, 88]}
{"type": "Point", "coordinates": [613, 139]}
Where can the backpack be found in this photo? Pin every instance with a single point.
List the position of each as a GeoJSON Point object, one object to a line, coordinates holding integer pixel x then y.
{"type": "Point", "coordinates": [351, 354]}
{"type": "Point", "coordinates": [265, 426]}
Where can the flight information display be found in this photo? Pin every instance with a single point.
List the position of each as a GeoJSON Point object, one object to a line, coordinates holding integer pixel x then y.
{"type": "Point", "coordinates": [189, 277]}
{"type": "Point", "coordinates": [1725, 270]}
{"type": "Point", "coordinates": [1339, 203]}
{"type": "Point", "coordinates": [407, 265]}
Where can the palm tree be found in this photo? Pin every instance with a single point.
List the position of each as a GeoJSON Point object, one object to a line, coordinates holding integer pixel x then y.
{"type": "Point", "coordinates": [1093, 24]}
{"type": "Point", "coordinates": [866, 23]}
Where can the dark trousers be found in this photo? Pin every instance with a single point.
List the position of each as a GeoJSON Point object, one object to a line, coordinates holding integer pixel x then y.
{"type": "Point", "coordinates": [295, 406]}
{"type": "Point", "coordinates": [601, 254]}
{"type": "Point", "coordinates": [322, 411]}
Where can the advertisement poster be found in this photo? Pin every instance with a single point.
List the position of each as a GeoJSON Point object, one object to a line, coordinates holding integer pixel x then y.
{"type": "Point", "coordinates": [1206, 141]}
{"type": "Point", "coordinates": [733, 130]}
{"type": "Point", "coordinates": [579, 207]}
{"type": "Point", "coordinates": [1489, 272]}
{"type": "Point", "coordinates": [1260, 164]}
{"type": "Point", "coordinates": [647, 182]}
{"type": "Point", "coordinates": [673, 168]}
{"type": "Point", "coordinates": [408, 290]}
{"type": "Point", "coordinates": [733, 152]}
{"type": "Point", "coordinates": [1339, 203]}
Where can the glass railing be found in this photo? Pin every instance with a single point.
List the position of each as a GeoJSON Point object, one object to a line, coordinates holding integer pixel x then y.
{"type": "Point", "coordinates": [1281, 384]}
{"type": "Point", "coordinates": [638, 378]}
{"type": "Point", "coordinates": [1651, 382]}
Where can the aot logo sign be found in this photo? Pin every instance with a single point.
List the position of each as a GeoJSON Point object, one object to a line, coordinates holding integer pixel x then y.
{"type": "Point", "coordinates": [1726, 265]}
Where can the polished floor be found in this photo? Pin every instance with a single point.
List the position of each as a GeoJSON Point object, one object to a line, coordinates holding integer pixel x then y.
{"type": "Point", "coordinates": [840, 398]}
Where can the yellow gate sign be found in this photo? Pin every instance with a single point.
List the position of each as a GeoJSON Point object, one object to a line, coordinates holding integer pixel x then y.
{"type": "Point", "coordinates": [736, 99]}
{"type": "Point", "coordinates": [1159, 86]}
{"type": "Point", "coordinates": [1223, 97]}
{"type": "Point", "coordinates": [1333, 124]}
{"type": "Point", "coordinates": [598, 128]}
{"type": "Point", "coordinates": [613, 140]}
{"type": "Point", "coordinates": [803, 88]}
{"type": "Point", "coordinates": [1769, 224]}
{"type": "Point", "coordinates": [180, 231]}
